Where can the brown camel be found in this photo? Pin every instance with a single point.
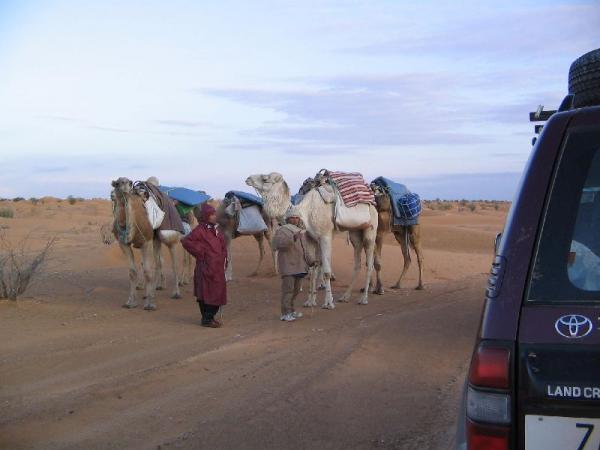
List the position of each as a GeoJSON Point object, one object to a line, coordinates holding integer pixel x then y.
{"type": "Point", "coordinates": [228, 218]}
{"type": "Point", "coordinates": [407, 236]}
{"type": "Point", "coordinates": [132, 229]}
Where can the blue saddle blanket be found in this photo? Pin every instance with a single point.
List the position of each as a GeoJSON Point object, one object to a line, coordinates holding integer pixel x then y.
{"type": "Point", "coordinates": [297, 198]}
{"type": "Point", "coordinates": [185, 195]}
{"type": "Point", "coordinates": [245, 196]}
{"type": "Point", "coordinates": [406, 204]}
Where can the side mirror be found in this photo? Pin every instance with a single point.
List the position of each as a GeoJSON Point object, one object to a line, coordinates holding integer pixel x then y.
{"type": "Point", "coordinates": [497, 242]}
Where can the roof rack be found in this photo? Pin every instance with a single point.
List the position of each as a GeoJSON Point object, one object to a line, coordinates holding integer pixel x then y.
{"type": "Point", "coordinates": [540, 115]}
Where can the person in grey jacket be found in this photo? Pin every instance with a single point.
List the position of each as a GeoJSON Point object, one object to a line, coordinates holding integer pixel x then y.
{"type": "Point", "coordinates": [290, 242]}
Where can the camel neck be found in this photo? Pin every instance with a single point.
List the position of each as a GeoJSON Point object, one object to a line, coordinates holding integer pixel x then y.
{"type": "Point", "coordinates": [277, 202]}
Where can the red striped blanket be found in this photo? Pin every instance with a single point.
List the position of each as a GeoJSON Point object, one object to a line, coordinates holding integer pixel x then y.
{"type": "Point", "coordinates": [353, 188]}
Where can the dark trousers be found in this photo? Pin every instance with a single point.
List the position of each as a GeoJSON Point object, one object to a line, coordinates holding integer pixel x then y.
{"type": "Point", "coordinates": [208, 312]}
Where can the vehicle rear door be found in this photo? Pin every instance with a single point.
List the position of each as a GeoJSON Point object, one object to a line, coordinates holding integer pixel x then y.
{"type": "Point", "coordinates": [558, 351]}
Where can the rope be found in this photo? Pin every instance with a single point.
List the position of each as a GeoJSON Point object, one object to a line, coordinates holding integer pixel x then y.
{"type": "Point", "coordinates": [123, 233]}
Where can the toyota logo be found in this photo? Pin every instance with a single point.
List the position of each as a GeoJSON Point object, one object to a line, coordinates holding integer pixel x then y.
{"type": "Point", "coordinates": [573, 326]}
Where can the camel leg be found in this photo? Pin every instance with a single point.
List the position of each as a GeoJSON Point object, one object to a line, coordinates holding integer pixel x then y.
{"type": "Point", "coordinates": [260, 240]}
{"type": "Point", "coordinates": [172, 251]}
{"type": "Point", "coordinates": [401, 238]}
{"type": "Point", "coordinates": [377, 264]}
{"type": "Point", "coordinates": [325, 244]}
{"type": "Point", "coordinates": [369, 246]}
{"type": "Point", "coordinates": [188, 268]}
{"type": "Point", "coordinates": [269, 238]}
{"type": "Point", "coordinates": [148, 256]}
{"type": "Point", "coordinates": [128, 252]}
{"type": "Point", "coordinates": [312, 287]}
{"type": "Point", "coordinates": [183, 279]}
{"type": "Point", "coordinates": [229, 269]}
{"type": "Point", "coordinates": [140, 277]}
{"type": "Point", "coordinates": [415, 242]}
{"type": "Point", "coordinates": [158, 268]}
{"type": "Point", "coordinates": [357, 245]}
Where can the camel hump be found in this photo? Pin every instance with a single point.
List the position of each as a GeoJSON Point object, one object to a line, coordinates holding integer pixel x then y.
{"type": "Point", "coordinates": [153, 181]}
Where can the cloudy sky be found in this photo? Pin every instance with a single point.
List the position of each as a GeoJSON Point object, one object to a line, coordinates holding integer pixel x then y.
{"type": "Point", "coordinates": [202, 94]}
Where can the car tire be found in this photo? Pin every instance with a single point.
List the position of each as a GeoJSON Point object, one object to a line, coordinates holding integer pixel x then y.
{"type": "Point", "coordinates": [584, 79]}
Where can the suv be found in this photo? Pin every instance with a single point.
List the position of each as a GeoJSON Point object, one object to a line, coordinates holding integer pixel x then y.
{"type": "Point", "coordinates": [534, 378]}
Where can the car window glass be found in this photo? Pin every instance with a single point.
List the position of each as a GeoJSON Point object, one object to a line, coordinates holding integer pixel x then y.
{"type": "Point", "coordinates": [567, 261]}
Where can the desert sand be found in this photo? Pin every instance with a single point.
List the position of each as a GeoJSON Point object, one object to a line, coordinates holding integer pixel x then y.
{"type": "Point", "coordinates": [78, 371]}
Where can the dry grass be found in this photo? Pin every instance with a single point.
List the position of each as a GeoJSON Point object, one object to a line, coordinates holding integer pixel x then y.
{"type": "Point", "coordinates": [7, 213]}
{"type": "Point", "coordinates": [19, 266]}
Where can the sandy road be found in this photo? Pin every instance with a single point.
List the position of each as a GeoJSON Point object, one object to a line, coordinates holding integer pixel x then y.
{"type": "Point", "coordinates": [383, 376]}
{"type": "Point", "coordinates": [79, 372]}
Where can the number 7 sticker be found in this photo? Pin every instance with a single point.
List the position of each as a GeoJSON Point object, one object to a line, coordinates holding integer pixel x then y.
{"type": "Point", "coordinates": [590, 429]}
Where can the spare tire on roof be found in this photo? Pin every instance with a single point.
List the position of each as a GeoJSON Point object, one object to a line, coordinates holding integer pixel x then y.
{"type": "Point", "coordinates": [584, 79]}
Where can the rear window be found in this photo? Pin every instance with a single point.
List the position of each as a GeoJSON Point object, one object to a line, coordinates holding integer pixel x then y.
{"type": "Point", "coordinates": [567, 259]}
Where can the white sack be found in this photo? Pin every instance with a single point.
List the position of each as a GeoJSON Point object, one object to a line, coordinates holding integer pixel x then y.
{"type": "Point", "coordinates": [155, 214]}
{"type": "Point", "coordinates": [251, 221]}
{"type": "Point", "coordinates": [355, 218]}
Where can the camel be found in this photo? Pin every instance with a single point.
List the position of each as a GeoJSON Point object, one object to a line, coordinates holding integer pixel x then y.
{"type": "Point", "coordinates": [107, 237]}
{"type": "Point", "coordinates": [318, 218]}
{"type": "Point", "coordinates": [188, 260]}
{"type": "Point", "coordinates": [132, 229]}
{"type": "Point", "coordinates": [407, 236]}
{"type": "Point", "coordinates": [228, 218]}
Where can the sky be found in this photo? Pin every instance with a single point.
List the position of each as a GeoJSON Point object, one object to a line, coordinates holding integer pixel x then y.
{"type": "Point", "coordinates": [202, 94]}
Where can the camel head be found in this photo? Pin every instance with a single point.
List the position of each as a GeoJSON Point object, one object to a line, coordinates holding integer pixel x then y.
{"type": "Point", "coordinates": [381, 198]}
{"type": "Point", "coordinates": [263, 183]}
{"type": "Point", "coordinates": [122, 185]}
{"type": "Point", "coordinates": [106, 233]}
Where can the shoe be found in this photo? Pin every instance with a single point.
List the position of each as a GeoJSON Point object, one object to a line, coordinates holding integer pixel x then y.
{"type": "Point", "coordinates": [297, 314]}
{"type": "Point", "coordinates": [288, 317]}
{"type": "Point", "coordinates": [212, 324]}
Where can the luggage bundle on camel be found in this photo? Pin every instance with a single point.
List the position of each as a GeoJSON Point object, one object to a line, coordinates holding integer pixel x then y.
{"type": "Point", "coordinates": [248, 208]}
{"type": "Point", "coordinates": [161, 211]}
{"type": "Point", "coordinates": [406, 205]}
{"type": "Point", "coordinates": [185, 201]}
{"type": "Point", "coordinates": [352, 196]}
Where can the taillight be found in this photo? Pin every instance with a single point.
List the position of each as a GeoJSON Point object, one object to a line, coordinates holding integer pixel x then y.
{"type": "Point", "coordinates": [488, 399]}
{"type": "Point", "coordinates": [485, 437]}
{"type": "Point", "coordinates": [490, 367]}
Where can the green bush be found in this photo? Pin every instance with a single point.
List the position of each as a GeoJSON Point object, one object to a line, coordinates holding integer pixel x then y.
{"type": "Point", "coordinates": [7, 213]}
{"type": "Point", "coordinates": [72, 200]}
{"type": "Point", "coordinates": [34, 201]}
{"type": "Point", "coordinates": [18, 199]}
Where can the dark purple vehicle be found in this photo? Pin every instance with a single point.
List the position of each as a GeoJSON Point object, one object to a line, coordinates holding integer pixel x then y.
{"type": "Point", "coordinates": [534, 379]}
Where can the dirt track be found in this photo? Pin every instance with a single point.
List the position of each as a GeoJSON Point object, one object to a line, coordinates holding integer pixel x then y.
{"type": "Point", "coordinates": [77, 371]}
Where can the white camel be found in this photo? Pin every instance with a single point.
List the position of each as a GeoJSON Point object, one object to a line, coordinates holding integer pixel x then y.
{"type": "Point", "coordinates": [319, 218]}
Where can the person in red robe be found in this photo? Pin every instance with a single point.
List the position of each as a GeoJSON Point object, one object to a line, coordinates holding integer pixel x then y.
{"type": "Point", "coordinates": [207, 244]}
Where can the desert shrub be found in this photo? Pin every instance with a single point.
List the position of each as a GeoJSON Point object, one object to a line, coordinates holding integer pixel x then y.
{"type": "Point", "coordinates": [472, 206]}
{"type": "Point", "coordinates": [496, 206]}
{"type": "Point", "coordinates": [72, 200]}
{"type": "Point", "coordinates": [34, 201]}
{"type": "Point", "coordinates": [7, 213]}
{"type": "Point", "coordinates": [18, 199]}
{"type": "Point", "coordinates": [18, 266]}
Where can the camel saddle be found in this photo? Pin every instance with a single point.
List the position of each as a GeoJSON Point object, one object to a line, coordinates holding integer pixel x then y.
{"type": "Point", "coordinates": [172, 220]}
